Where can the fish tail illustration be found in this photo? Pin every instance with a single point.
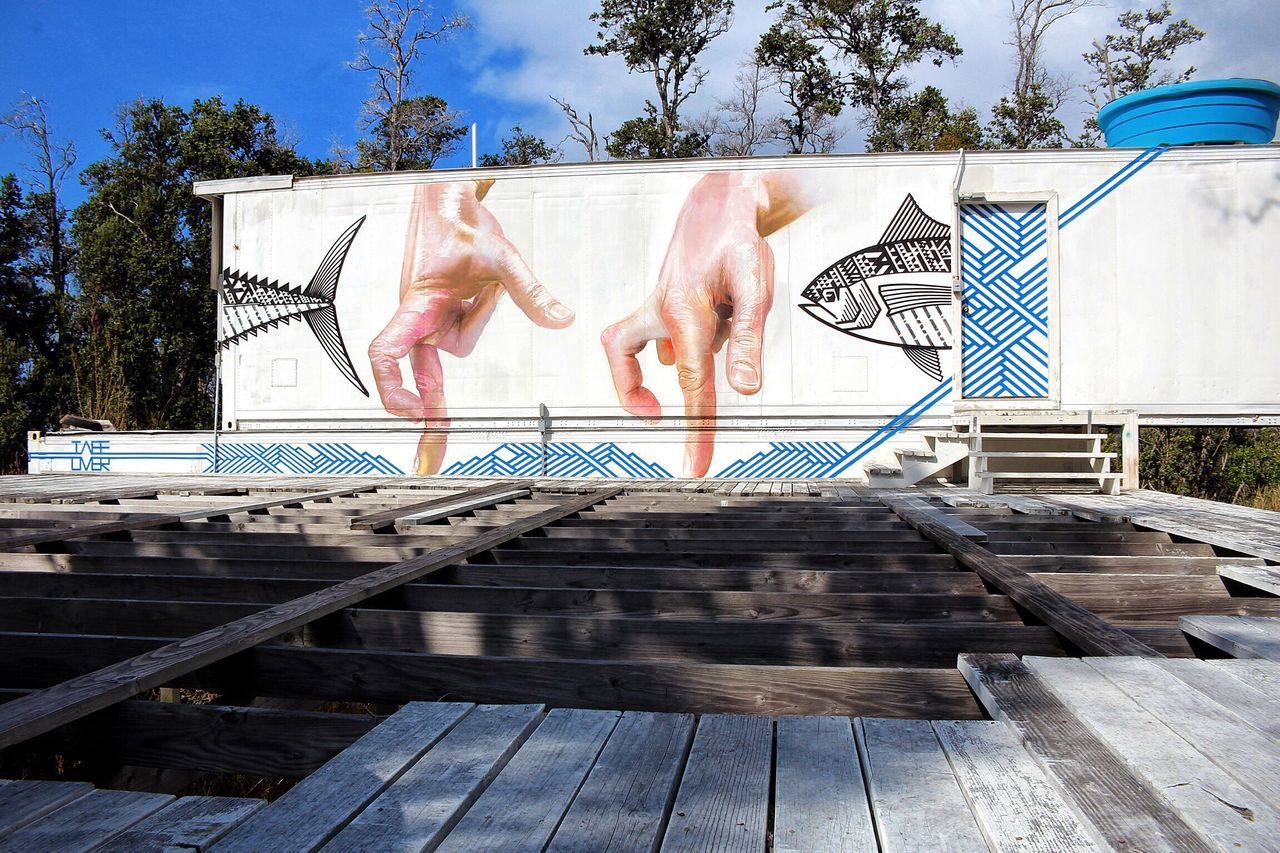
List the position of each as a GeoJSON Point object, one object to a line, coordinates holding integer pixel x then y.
{"type": "Point", "coordinates": [251, 305]}
{"type": "Point", "coordinates": [324, 322]}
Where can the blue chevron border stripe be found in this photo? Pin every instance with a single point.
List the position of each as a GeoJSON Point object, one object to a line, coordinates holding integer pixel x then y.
{"type": "Point", "coordinates": [280, 458]}
{"type": "Point", "coordinates": [564, 459]}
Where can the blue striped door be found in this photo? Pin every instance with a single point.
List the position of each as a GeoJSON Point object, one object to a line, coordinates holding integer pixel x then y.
{"type": "Point", "coordinates": [1005, 276]}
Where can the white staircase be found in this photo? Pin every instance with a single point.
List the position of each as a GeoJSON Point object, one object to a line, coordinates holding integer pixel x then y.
{"type": "Point", "coordinates": [1043, 461]}
{"type": "Point", "coordinates": [910, 465]}
{"type": "Point", "coordinates": [1019, 451]}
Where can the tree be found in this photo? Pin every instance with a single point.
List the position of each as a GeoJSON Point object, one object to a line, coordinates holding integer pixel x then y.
{"type": "Point", "coordinates": [925, 122]}
{"type": "Point", "coordinates": [425, 131]}
{"type": "Point", "coordinates": [522, 149]}
{"type": "Point", "coordinates": [1027, 117]}
{"type": "Point", "coordinates": [645, 138]}
{"type": "Point", "coordinates": [737, 128]}
{"type": "Point", "coordinates": [145, 307]}
{"type": "Point", "coordinates": [663, 38]}
{"type": "Point", "coordinates": [26, 328]}
{"type": "Point", "coordinates": [799, 71]}
{"type": "Point", "coordinates": [581, 131]}
{"type": "Point", "coordinates": [1134, 59]}
{"type": "Point", "coordinates": [875, 41]}
{"type": "Point", "coordinates": [406, 131]}
{"type": "Point", "coordinates": [51, 255]}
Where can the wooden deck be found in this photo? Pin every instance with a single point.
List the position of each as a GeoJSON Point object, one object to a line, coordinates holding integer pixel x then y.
{"type": "Point", "coordinates": [775, 662]}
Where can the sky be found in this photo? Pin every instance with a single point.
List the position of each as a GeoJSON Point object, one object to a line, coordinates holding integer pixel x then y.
{"type": "Point", "coordinates": [86, 58]}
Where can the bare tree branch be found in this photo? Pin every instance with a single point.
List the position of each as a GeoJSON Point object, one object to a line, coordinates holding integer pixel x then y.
{"type": "Point", "coordinates": [581, 130]}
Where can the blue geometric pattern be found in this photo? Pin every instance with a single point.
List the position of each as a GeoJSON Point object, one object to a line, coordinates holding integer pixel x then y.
{"type": "Point", "coordinates": [1006, 298]}
{"type": "Point", "coordinates": [327, 458]}
{"type": "Point", "coordinates": [829, 458]}
{"type": "Point", "coordinates": [564, 459]}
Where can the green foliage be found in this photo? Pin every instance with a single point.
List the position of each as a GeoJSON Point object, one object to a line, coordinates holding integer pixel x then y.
{"type": "Point", "coordinates": [145, 306]}
{"type": "Point", "coordinates": [522, 149]}
{"type": "Point", "coordinates": [25, 327]}
{"type": "Point", "coordinates": [1232, 464]}
{"type": "Point", "coordinates": [663, 38]}
{"type": "Point", "coordinates": [925, 122]}
{"type": "Point", "coordinates": [1134, 59]}
{"type": "Point", "coordinates": [645, 138]}
{"type": "Point", "coordinates": [414, 134]}
{"type": "Point", "coordinates": [808, 86]}
{"type": "Point", "coordinates": [875, 41]}
{"type": "Point", "coordinates": [1027, 121]}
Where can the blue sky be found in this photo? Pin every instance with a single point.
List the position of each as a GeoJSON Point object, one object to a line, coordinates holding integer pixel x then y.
{"type": "Point", "coordinates": [86, 57]}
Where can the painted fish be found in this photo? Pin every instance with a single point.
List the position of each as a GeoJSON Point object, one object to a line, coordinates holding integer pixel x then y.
{"type": "Point", "coordinates": [896, 292]}
{"type": "Point", "coordinates": [251, 305]}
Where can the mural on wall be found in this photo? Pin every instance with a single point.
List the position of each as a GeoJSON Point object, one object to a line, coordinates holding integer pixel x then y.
{"type": "Point", "coordinates": [253, 305]}
{"type": "Point", "coordinates": [855, 296]}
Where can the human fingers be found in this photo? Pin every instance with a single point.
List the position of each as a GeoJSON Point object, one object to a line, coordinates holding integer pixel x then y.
{"type": "Point", "coordinates": [666, 352]}
{"type": "Point", "coordinates": [469, 321]}
{"type": "Point", "coordinates": [622, 342]}
{"type": "Point", "coordinates": [417, 317]}
{"type": "Point", "coordinates": [428, 377]}
{"type": "Point", "coordinates": [693, 330]}
{"type": "Point", "coordinates": [526, 291]}
{"type": "Point", "coordinates": [751, 285]}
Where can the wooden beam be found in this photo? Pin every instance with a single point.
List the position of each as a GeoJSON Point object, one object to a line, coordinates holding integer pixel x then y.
{"type": "Point", "coordinates": [1080, 626]}
{"type": "Point", "coordinates": [57, 705]}
{"type": "Point", "coordinates": [443, 505]}
{"type": "Point", "coordinates": [1122, 807]}
{"type": "Point", "coordinates": [146, 520]}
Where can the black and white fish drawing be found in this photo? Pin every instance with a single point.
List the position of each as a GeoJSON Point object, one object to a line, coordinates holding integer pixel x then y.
{"type": "Point", "coordinates": [251, 305]}
{"type": "Point", "coordinates": [896, 292]}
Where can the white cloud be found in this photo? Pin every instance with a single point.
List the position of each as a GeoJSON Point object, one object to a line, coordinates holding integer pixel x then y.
{"type": "Point", "coordinates": [527, 51]}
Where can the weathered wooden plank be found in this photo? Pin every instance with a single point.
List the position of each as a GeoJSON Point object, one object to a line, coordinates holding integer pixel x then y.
{"type": "Point", "coordinates": [1078, 625]}
{"type": "Point", "coordinates": [152, 520]}
{"type": "Point", "coordinates": [85, 822]}
{"type": "Point", "coordinates": [421, 512]}
{"type": "Point", "coordinates": [522, 807]}
{"type": "Point", "coordinates": [1253, 707]}
{"type": "Point", "coordinates": [1248, 755]}
{"type": "Point", "coordinates": [723, 801]}
{"type": "Point", "coordinates": [318, 807]}
{"type": "Point", "coordinates": [623, 803]}
{"type": "Point", "coordinates": [1261, 578]}
{"type": "Point", "coordinates": [1014, 803]}
{"type": "Point", "coordinates": [1219, 809]}
{"type": "Point", "coordinates": [23, 801]}
{"type": "Point", "coordinates": [1261, 675]}
{"type": "Point", "coordinates": [915, 799]}
{"type": "Point", "coordinates": [420, 808]}
{"type": "Point", "coordinates": [1239, 636]}
{"type": "Point", "coordinates": [1119, 805]}
{"type": "Point", "coordinates": [191, 823]}
{"type": "Point", "coordinates": [820, 800]}
{"type": "Point", "coordinates": [47, 709]}
{"type": "Point", "coordinates": [342, 675]}
{"type": "Point", "coordinates": [958, 526]}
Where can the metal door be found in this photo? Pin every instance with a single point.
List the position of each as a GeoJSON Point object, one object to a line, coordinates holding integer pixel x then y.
{"type": "Point", "coordinates": [1005, 278]}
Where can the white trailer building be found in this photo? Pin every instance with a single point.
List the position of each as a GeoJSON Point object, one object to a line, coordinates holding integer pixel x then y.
{"type": "Point", "coordinates": [765, 317]}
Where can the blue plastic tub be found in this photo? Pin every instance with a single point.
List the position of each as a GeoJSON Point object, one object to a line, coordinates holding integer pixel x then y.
{"type": "Point", "coordinates": [1204, 111]}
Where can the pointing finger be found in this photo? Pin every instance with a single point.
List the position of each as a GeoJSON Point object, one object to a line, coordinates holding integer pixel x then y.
{"type": "Point", "coordinates": [751, 283]}
{"type": "Point", "coordinates": [419, 315]}
{"type": "Point", "coordinates": [428, 376]}
{"type": "Point", "coordinates": [692, 333]}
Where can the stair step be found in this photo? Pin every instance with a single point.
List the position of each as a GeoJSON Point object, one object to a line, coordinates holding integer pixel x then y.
{"type": "Point", "coordinates": [1051, 475]}
{"type": "Point", "coordinates": [882, 470]}
{"type": "Point", "coordinates": [1047, 454]}
{"type": "Point", "coordinates": [1047, 436]}
{"type": "Point", "coordinates": [917, 453]}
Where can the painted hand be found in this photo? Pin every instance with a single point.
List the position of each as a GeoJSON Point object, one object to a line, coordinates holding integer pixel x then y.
{"type": "Point", "coordinates": [457, 265]}
{"type": "Point", "coordinates": [715, 286]}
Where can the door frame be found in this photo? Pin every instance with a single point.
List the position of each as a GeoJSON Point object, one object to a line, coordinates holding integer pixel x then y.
{"type": "Point", "coordinates": [1049, 198]}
